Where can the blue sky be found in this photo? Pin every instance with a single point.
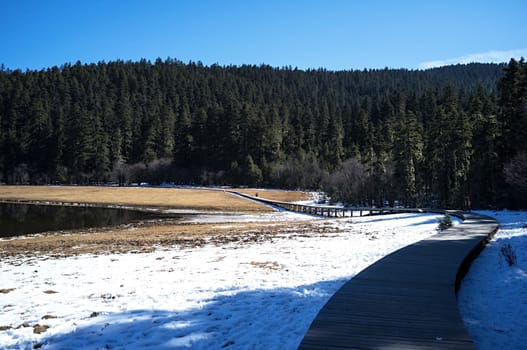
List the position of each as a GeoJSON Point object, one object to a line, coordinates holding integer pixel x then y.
{"type": "Point", "coordinates": [331, 34]}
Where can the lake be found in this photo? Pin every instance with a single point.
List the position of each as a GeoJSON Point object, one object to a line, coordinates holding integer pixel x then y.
{"type": "Point", "coordinates": [22, 219]}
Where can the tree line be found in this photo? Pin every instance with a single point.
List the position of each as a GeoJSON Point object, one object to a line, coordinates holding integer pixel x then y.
{"type": "Point", "coordinates": [429, 137]}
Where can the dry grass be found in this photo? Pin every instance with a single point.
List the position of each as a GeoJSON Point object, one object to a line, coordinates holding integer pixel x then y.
{"type": "Point", "coordinates": [147, 236]}
{"type": "Point", "coordinates": [202, 199]}
{"type": "Point", "coordinates": [6, 290]}
{"type": "Point", "coordinates": [276, 195]}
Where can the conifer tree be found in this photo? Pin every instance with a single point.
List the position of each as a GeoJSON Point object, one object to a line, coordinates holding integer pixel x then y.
{"type": "Point", "coordinates": [77, 122]}
{"type": "Point", "coordinates": [408, 155]}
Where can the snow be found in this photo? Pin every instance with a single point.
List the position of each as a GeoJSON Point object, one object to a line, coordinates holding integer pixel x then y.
{"type": "Point", "coordinates": [223, 217]}
{"type": "Point", "coordinates": [257, 295]}
{"type": "Point", "coordinates": [492, 297]}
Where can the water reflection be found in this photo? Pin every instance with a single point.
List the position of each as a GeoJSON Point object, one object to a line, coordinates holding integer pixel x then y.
{"type": "Point", "coordinates": [20, 219]}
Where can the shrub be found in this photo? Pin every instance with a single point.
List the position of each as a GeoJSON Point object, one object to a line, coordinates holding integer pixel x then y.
{"type": "Point", "coordinates": [444, 223]}
{"type": "Point", "coordinates": [509, 254]}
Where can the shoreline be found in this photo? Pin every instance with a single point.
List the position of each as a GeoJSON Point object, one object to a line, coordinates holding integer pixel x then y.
{"type": "Point", "coordinates": [212, 215]}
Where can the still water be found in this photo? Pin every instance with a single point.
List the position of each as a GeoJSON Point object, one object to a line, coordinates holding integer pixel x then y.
{"type": "Point", "coordinates": [21, 219]}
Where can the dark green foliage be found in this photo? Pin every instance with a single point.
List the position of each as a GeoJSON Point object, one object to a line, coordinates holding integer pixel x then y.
{"type": "Point", "coordinates": [512, 127]}
{"type": "Point", "coordinates": [444, 223]}
{"type": "Point", "coordinates": [420, 137]}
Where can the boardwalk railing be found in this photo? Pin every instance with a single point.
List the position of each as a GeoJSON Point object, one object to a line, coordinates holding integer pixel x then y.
{"type": "Point", "coordinates": [327, 210]}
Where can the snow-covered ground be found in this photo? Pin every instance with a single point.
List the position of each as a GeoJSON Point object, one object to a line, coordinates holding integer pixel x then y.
{"type": "Point", "coordinates": [493, 296]}
{"type": "Point", "coordinates": [219, 217]}
{"type": "Point", "coordinates": [260, 295]}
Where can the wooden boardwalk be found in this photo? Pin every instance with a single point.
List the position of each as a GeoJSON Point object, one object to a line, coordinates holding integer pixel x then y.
{"type": "Point", "coordinates": [327, 210]}
{"type": "Point", "coordinates": [406, 300]}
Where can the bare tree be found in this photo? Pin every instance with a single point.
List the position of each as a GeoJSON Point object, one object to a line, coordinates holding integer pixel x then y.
{"type": "Point", "coordinates": [348, 183]}
{"type": "Point", "coordinates": [516, 172]}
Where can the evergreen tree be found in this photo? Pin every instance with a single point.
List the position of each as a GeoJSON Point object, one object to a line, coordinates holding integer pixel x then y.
{"type": "Point", "coordinates": [426, 137]}
{"type": "Point", "coordinates": [450, 151]}
{"type": "Point", "coordinates": [407, 154]}
{"type": "Point", "coordinates": [513, 102]}
{"type": "Point", "coordinates": [253, 174]}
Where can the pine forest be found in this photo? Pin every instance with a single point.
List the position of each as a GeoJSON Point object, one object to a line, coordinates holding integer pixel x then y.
{"type": "Point", "coordinates": [430, 138]}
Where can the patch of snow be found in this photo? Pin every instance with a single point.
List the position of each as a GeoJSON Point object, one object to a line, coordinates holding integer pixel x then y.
{"type": "Point", "coordinates": [492, 296]}
{"type": "Point", "coordinates": [282, 215]}
{"type": "Point", "coordinates": [259, 295]}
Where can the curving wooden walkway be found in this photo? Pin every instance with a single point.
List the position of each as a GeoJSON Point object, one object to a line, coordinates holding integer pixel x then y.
{"type": "Point", "coordinates": [406, 300]}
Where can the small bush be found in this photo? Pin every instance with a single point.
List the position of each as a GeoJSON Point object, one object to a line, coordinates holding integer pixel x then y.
{"type": "Point", "coordinates": [444, 223]}
{"type": "Point", "coordinates": [509, 254]}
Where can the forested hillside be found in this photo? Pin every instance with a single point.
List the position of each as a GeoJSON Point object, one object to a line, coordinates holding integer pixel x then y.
{"type": "Point", "coordinates": [428, 137]}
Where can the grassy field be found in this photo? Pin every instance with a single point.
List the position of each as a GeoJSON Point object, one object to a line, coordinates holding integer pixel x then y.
{"type": "Point", "coordinates": [147, 236]}
{"type": "Point", "coordinates": [276, 195]}
{"type": "Point", "coordinates": [200, 199]}
{"type": "Point", "coordinates": [144, 236]}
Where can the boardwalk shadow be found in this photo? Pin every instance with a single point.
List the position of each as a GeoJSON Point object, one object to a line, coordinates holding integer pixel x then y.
{"type": "Point", "coordinates": [259, 319]}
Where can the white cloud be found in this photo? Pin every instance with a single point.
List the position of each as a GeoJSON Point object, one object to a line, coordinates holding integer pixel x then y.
{"type": "Point", "coordinates": [484, 57]}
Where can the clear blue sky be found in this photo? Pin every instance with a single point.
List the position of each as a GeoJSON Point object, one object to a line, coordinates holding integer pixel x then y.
{"type": "Point", "coordinates": [332, 34]}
